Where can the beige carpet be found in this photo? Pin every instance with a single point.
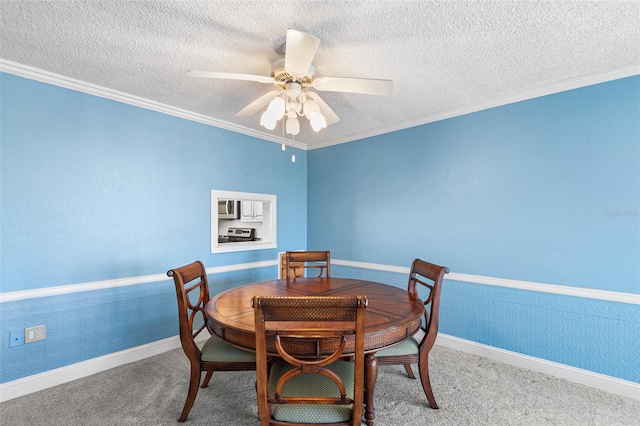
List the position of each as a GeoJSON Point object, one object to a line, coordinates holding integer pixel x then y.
{"type": "Point", "coordinates": [470, 390]}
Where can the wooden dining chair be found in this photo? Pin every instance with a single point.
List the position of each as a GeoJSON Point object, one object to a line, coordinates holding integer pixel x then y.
{"type": "Point", "coordinates": [297, 262]}
{"type": "Point", "coordinates": [412, 350]}
{"type": "Point", "coordinates": [310, 384]}
{"type": "Point", "coordinates": [192, 290]}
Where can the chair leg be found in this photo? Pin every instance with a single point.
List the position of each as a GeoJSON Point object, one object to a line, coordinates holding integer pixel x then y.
{"type": "Point", "coordinates": [194, 383]}
{"type": "Point", "coordinates": [407, 367]}
{"type": "Point", "coordinates": [205, 383]}
{"type": "Point", "coordinates": [423, 369]}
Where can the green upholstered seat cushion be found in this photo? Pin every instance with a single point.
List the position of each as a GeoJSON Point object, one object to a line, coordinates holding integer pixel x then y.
{"type": "Point", "coordinates": [312, 385]}
{"type": "Point", "coordinates": [217, 350]}
{"type": "Point", "coordinates": [408, 347]}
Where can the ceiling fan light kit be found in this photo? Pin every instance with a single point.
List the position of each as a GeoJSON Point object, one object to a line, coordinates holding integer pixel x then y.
{"type": "Point", "coordinates": [293, 102]}
{"type": "Point", "coordinates": [293, 76]}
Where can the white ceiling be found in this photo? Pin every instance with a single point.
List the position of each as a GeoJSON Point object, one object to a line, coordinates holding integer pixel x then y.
{"type": "Point", "coordinates": [444, 57]}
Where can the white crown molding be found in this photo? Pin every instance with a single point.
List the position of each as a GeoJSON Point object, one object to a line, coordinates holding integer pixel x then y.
{"type": "Point", "coordinates": [523, 95]}
{"type": "Point", "coordinates": [92, 89]}
{"type": "Point", "coordinates": [114, 95]}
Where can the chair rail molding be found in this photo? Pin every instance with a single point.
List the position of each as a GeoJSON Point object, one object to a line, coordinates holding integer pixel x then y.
{"type": "Point", "coordinates": [610, 296]}
{"type": "Point", "coordinates": [15, 296]}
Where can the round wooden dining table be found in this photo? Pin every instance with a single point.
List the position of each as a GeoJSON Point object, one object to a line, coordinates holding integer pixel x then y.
{"type": "Point", "coordinates": [392, 316]}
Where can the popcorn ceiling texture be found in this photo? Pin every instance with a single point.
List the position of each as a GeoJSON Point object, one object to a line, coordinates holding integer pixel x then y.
{"type": "Point", "coordinates": [441, 55]}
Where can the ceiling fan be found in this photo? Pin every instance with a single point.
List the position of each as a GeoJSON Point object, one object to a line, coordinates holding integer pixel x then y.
{"type": "Point", "coordinates": [294, 77]}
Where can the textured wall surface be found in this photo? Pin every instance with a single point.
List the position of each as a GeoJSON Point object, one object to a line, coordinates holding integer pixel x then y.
{"type": "Point", "coordinates": [529, 191]}
{"type": "Point", "coordinates": [86, 325]}
{"type": "Point", "coordinates": [95, 190]}
{"type": "Point", "coordinates": [545, 191]}
{"type": "Point", "coordinates": [593, 335]}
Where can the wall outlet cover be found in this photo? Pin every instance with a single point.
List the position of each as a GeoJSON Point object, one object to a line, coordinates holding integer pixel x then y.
{"type": "Point", "coordinates": [34, 334]}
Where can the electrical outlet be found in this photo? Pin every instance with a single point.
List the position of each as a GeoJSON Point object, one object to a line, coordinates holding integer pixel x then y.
{"type": "Point", "coordinates": [33, 334]}
{"type": "Point", "coordinates": [16, 338]}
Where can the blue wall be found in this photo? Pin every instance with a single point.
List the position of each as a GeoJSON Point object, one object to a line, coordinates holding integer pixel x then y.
{"type": "Point", "coordinates": [545, 190]}
{"type": "Point", "coordinates": [92, 190]}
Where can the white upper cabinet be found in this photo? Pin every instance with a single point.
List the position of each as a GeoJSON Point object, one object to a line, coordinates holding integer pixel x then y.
{"type": "Point", "coordinates": [251, 211]}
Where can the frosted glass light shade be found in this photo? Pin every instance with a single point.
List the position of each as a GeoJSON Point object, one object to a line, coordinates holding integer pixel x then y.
{"type": "Point", "coordinates": [317, 121]}
{"type": "Point", "coordinates": [293, 125]}
{"type": "Point", "coordinates": [276, 108]}
{"type": "Point", "coordinates": [268, 120]}
{"type": "Point", "coordinates": [310, 106]}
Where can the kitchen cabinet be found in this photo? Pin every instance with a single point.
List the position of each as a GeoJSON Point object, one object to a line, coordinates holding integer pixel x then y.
{"type": "Point", "coordinates": [251, 211]}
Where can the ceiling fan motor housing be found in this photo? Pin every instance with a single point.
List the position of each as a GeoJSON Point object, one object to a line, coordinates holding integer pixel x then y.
{"type": "Point", "coordinates": [282, 76]}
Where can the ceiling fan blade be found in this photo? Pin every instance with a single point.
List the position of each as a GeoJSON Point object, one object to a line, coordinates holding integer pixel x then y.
{"type": "Point", "coordinates": [258, 104]}
{"type": "Point", "coordinates": [299, 52]}
{"type": "Point", "coordinates": [328, 113]}
{"type": "Point", "coordinates": [230, 76]}
{"type": "Point", "coordinates": [366, 86]}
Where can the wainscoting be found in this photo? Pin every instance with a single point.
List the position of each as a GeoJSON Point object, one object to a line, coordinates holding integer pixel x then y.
{"type": "Point", "coordinates": [585, 336]}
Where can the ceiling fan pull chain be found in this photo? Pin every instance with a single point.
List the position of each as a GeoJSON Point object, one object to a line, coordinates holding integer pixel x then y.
{"type": "Point", "coordinates": [284, 147]}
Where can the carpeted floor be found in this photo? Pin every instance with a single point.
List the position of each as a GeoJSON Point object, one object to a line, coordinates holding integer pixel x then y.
{"type": "Point", "coordinates": [470, 390]}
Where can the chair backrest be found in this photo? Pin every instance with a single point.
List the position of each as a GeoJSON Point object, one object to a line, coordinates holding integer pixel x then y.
{"type": "Point", "coordinates": [309, 333]}
{"type": "Point", "coordinates": [422, 271]}
{"type": "Point", "coordinates": [192, 291]}
{"type": "Point", "coordinates": [296, 261]}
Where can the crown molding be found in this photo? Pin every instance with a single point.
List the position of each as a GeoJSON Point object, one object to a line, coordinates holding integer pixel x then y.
{"type": "Point", "coordinates": [42, 76]}
{"type": "Point", "coordinates": [522, 95]}
{"type": "Point", "coordinates": [92, 89]}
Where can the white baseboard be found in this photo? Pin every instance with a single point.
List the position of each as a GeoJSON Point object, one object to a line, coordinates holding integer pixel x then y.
{"type": "Point", "coordinates": [58, 376]}
{"type": "Point", "coordinates": [48, 379]}
{"type": "Point", "coordinates": [589, 378]}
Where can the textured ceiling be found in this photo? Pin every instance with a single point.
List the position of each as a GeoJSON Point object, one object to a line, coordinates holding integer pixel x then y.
{"type": "Point", "coordinates": [443, 56]}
